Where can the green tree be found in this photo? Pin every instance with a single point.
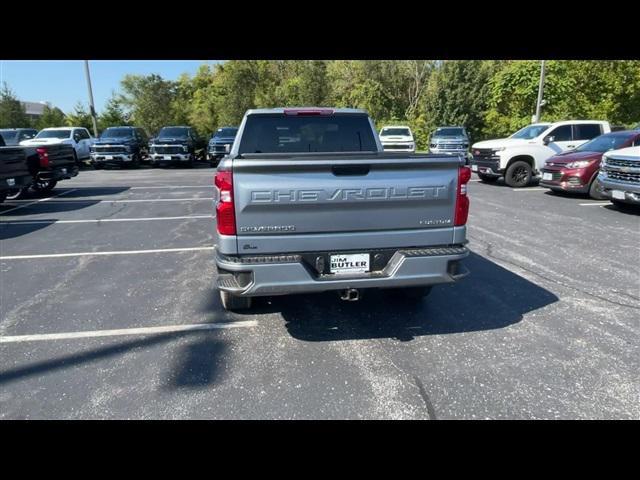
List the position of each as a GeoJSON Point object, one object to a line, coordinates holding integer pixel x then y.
{"type": "Point", "coordinates": [457, 94]}
{"type": "Point", "coordinates": [12, 112]}
{"type": "Point", "coordinates": [113, 114]}
{"type": "Point", "coordinates": [79, 117]}
{"type": "Point", "coordinates": [149, 98]}
{"type": "Point", "coordinates": [51, 117]}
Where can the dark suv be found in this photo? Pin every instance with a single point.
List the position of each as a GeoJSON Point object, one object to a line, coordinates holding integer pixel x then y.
{"type": "Point", "coordinates": [219, 143]}
{"type": "Point", "coordinates": [176, 145]}
{"type": "Point", "coordinates": [120, 146]}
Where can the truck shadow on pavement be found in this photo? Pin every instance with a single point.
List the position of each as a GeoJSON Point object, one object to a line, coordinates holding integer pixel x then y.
{"type": "Point", "coordinates": [491, 297]}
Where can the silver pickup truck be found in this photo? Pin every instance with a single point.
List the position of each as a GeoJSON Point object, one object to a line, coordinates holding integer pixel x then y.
{"type": "Point", "coordinates": [307, 201]}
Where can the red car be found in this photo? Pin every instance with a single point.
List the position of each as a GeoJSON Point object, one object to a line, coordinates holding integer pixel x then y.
{"type": "Point", "coordinates": [576, 170]}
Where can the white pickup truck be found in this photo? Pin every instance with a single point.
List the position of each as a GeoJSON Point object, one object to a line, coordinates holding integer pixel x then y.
{"type": "Point", "coordinates": [78, 137]}
{"type": "Point", "coordinates": [397, 138]}
{"type": "Point", "coordinates": [521, 156]}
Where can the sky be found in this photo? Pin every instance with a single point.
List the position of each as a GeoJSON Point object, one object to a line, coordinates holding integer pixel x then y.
{"type": "Point", "coordinates": [63, 82]}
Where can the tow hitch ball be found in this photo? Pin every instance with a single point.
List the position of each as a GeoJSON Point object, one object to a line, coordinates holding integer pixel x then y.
{"type": "Point", "coordinates": [350, 295]}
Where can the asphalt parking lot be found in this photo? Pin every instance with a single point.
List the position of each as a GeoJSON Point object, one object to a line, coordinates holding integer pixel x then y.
{"type": "Point", "coordinates": [108, 311]}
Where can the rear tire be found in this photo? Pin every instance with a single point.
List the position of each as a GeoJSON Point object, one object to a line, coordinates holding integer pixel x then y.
{"type": "Point", "coordinates": [518, 174]}
{"type": "Point", "coordinates": [44, 186]}
{"type": "Point", "coordinates": [16, 193]}
{"type": "Point", "coordinates": [232, 302]}
{"type": "Point", "coordinates": [488, 178]}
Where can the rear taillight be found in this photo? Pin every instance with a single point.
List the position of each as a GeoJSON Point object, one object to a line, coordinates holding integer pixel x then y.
{"type": "Point", "coordinates": [43, 155]}
{"type": "Point", "coordinates": [225, 210]}
{"type": "Point", "coordinates": [462, 200]}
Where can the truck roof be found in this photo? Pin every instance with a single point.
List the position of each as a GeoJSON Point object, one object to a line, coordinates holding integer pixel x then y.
{"type": "Point", "coordinates": [572, 121]}
{"type": "Point", "coordinates": [281, 110]}
{"type": "Point", "coordinates": [397, 126]}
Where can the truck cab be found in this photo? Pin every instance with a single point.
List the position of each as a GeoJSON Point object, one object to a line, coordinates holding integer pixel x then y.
{"type": "Point", "coordinates": [522, 156]}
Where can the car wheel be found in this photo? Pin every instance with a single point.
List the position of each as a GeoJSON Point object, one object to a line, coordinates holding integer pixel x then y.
{"type": "Point", "coordinates": [16, 193]}
{"type": "Point", "coordinates": [518, 174]}
{"type": "Point", "coordinates": [488, 178]}
{"type": "Point", "coordinates": [594, 190]}
{"type": "Point", "coordinates": [42, 186]}
{"type": "Point", "coordinates": [233, 302]}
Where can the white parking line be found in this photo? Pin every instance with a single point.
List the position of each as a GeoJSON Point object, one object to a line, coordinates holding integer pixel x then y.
{"type": "Point", "coordinates": [194, 199]}
{"type": "Point", "coordinates": [31, 202]}
{"type": "Point", "coordinates": [127, 331]}
{"type": "Point", "coordinates": [123, 252]}
{"type": "Point", "coordinates": [597, 204]}
{"type": "Point", "coordinates": [532, 189]}
{"type": "Point", "coordinates": [101, 220]}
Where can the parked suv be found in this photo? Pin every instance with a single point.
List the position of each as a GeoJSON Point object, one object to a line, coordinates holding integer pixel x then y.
{"type": "Point", "coordinates": [577, 170]}
{"type": "Point", "coordinates": [13, 136]}
{"type": "Point", "coordinates": [620, 176]}
{"type": "Point", "coordinates": [397, 139]}
{"type": "Point", "coordinates": [522, 156]}
{"type": "Point", "coordinates": [120, 146]}
{"type": "Point", "coordinates": [219, 143]}
{"type": "Point", "coordinates": [175, 145]}
{"type": "Point", "coordinates": [449, 140]}
{"type": "Point", "coordinates": [79, 138]}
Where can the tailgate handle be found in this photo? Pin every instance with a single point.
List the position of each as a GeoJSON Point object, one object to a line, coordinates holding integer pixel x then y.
{"type": "Point", "coordinates": [340, 170]}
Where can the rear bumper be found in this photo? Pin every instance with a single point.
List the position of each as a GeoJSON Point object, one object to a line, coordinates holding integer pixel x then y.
{"type": "Point", "coordinates": [59, 173]}
{"type": "Point", "coordinates": [17, 181]}
{"type": "Point", "coordinates": [288, 274]}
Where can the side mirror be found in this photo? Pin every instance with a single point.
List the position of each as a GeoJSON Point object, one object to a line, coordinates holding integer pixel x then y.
{"type": "Point", "coordinates": [548, 139]}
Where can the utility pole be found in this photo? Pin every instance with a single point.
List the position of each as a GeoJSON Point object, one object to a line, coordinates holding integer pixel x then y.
{"type": "Point", "coordinates": [540, 92]}
{"type": "Point", "coordinates": [91, 107]}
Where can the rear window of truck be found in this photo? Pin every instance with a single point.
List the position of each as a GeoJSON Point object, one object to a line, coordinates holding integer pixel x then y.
{"type": "Point", "coordinates": [276, 133]}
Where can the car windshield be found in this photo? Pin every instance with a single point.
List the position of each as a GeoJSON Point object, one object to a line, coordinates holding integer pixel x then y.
{"type": "Point", "coordinates": [449, 132]}
{"type": "Point", "coordinates": [226, 132]}
{"type": "Point", "coordinates": [173, 132]}
{"type": "Point", "coordinates": [117, 133]}
{"type": "Point", "coordinates": [9, 135]}
{"type": "Point", "coordinates": [604, 143]}
{"type": "Point", "coordinates": [54, 134]}
{"type": "Point", "coordinates": [395, 131]}
{"type": "Point", "coordinates": [529, 132]}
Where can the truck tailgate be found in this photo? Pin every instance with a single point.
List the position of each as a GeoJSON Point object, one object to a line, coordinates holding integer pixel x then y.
{"type": "Point", "coordinates": [13, 162]}
{"type": "Point", "coordinates": [298, 203]}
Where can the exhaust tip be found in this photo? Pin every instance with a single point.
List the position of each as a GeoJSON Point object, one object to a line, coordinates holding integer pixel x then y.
{"type": "Point", "coordinates": [350, 295]}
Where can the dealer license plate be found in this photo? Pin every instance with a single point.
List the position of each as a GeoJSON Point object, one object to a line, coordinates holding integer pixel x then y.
{"type": "Point", "coordinates": [350, 263]}
{"type": "Point", "coordinates": [167, 157]}
{"type": "Point", "coordinates": [547, 176]}
{"type": "Point", "coordinates": [474, 168]}
{"type": "Point", "coordinates": [617, 194]}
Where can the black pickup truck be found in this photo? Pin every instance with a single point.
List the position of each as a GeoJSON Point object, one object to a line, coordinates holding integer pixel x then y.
{"type": "Point", "coordinates": [14, 172]}
{"type": "Point", "coordinates": [46, 165]}
{"type": "Point", "coordinates": [176, 146]}
{"type": "Point", "coordinates": [120, 146]}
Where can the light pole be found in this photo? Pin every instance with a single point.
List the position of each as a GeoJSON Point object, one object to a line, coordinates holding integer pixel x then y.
{"type": "Point", "coordinates": [539, 103]}
{"type": "Point", "coordinates": [91, 107]}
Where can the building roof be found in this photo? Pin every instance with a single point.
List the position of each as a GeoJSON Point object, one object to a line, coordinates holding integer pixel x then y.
{"type": "Point", "coordinates": [35, 108]}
